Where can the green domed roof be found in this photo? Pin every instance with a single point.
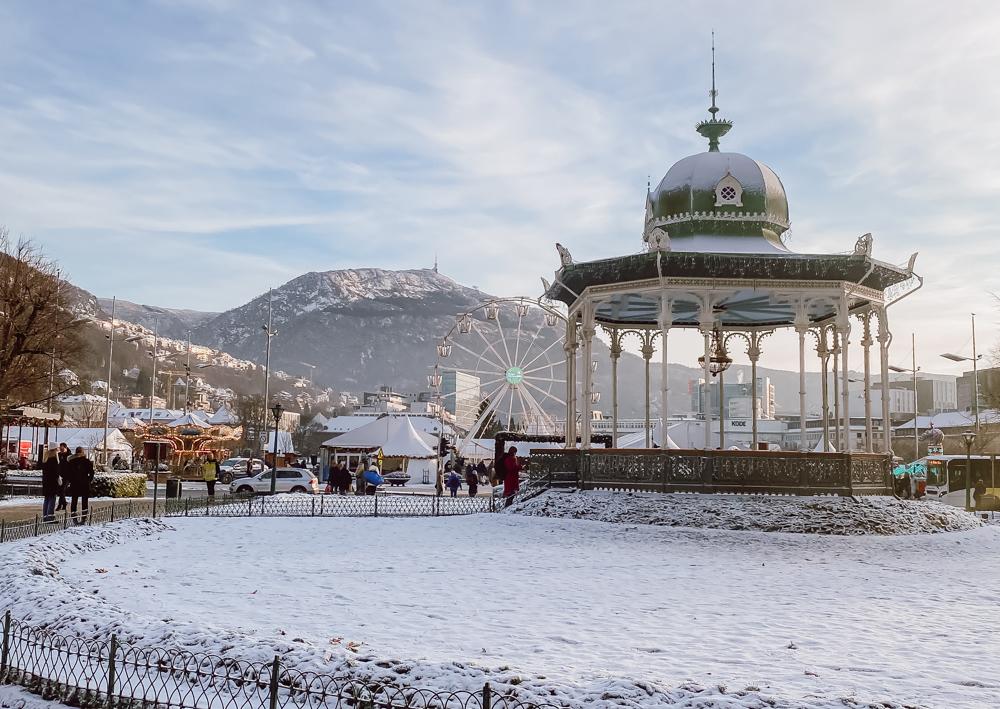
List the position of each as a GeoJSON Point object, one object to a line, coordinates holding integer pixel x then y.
{"type": "Point", "coordinates": [716, 194]}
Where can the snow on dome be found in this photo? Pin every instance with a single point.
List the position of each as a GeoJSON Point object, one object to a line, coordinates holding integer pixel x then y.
{"type": "Point", "coordinates": [718, 202]}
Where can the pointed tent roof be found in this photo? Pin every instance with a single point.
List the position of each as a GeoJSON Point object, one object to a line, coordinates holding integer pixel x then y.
{"type": "Point", "coordinates": [224, 416]}
{"type": "Point", "coordinates": [395, 435]}
{"type": "Point", "coordinates": [819, 447]}
{"type": "Point", "coordinates": [188, 420]}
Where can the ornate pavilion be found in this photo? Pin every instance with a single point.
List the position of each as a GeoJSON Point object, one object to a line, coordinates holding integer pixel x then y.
{"type": "Point", "coordinates": [715, 260]}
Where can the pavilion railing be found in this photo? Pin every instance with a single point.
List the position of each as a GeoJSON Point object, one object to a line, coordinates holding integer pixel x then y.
{"type": "Point", "coordinates": [712, 471]}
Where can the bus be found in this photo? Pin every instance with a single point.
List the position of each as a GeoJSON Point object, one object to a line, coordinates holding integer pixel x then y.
{"type": "Point", "coordinates": [946, 476]}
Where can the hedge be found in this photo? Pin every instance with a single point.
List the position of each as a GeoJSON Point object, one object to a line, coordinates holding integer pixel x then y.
{"type": "Point", "coordinates": [118, 485]}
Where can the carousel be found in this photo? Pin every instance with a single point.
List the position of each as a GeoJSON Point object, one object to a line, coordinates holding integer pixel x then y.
{"type": "Point", "coordinates": [715, 260]}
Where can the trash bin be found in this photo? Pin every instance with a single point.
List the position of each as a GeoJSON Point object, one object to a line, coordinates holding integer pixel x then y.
{"type": "Point", "coordinates": [173, 488]}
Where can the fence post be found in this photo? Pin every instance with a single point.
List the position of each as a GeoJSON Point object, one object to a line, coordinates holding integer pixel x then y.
{"type": "Point", "coordinates": [3, 530]}
{"type": "Point", "coordinates": [112, 511]}
{"type": "Point", "coordinates": [187, 503]}
{"type": "Point", "coordinates": [111, 669]}
{"type": "Point", "coordinates": [250, 506]}
{"type": "Point", "coordinates": [36, 526]}
{"type": "Point", "coordinates": [487, 696]}
{"type": "Point", "coordinates": [5, 654]}
{"type": "Point", "coordinates": [322, 499]}
{"type": "Point", "coordinates": [273, 688]}
{"type": "Point", "coordinates": [65, 519]}
{"type": "Point", "coordinates": [130, 509]}
{"type": "Point", "coordinates": [208, 499]}
{"type": "Point", "coordinates": [313, 513]}
{"type": "Point", "coordinates": [376, 504]}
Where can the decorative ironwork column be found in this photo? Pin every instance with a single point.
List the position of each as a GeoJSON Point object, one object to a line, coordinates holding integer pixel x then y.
{"type": "Point", "coordinates": [866, 342]}
{"type": "Point", "coordinates": [835, 356]}
{"type": "Point", "coordinates": [706, 406]}
{"type": "Point", "coordinates": [616, 353]}
{"type": "Point", "coordinates": [884, 340]}
{"type": "Point", "coordinates": [845, 340]}
{"type": "Point", "coordinates": [647, 355]}
{"type": "Point", "coordinates": [666, 320]}
{"type": "Point", "coordinates": [753, 352]}
{"type": "Point", "coordinates": [802, 327]}
{"type": "Point", "coordinates": [587, 331]}
{"type": "Point", "coordinates": [570, 349]}
{"type": "Point", "coordinates": [823, 350]}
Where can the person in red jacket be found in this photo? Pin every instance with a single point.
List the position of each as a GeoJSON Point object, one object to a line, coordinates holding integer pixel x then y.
{"type": "Point", "coordinates": [511, 469]}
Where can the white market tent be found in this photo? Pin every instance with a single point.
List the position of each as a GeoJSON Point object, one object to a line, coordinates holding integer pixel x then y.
{"type": "Point", "coordinates": [188, 420]}
{"type": "Point", "coordinates": [284, 443]}
{"type": "Point", "coordinates": [92, 440]}
{"type": "Point", "coordinates": [224, 416]}
{"type": "Point", "coordinates": [395, 435]}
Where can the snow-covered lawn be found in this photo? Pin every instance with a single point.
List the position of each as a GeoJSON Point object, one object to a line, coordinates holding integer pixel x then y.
{"type": "Point", "coordinates": [589, 610]}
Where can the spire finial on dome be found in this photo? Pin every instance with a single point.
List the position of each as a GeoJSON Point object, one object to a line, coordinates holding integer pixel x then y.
{"type": "Point", "coordinates": [714, 128]}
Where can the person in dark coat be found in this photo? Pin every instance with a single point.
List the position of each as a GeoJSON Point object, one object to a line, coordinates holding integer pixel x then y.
{"type": "Point", "coordinates": [484, 476]}
{"type": "Point", "coordinates": [472, 480]}
{"type": "Point", "coordinates": [978, 492]}
{"type": "Point", "coordinates": [343, 479]}
{"type": "Point", "coordinates": [64, 454]}
{"type": "Point", "coordinates": [50, 485]}
{"type": "Point", "coordinates": [81, 475]}
{"type": "Point", "coordinates": [510, 469]}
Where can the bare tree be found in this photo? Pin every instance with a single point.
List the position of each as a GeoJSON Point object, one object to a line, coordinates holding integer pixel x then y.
{"type": "Point", "coordinates": [37, 329]}
{"type": "Point", "coordinates": [251, 414]}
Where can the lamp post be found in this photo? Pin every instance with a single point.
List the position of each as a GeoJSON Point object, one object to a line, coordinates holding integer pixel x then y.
{"type": "Point", "coordinates": [268, 333]}
{"type": "Point", "coordinates": [970, 438]}
{"type": "Point", "coordinates": [913, 369]}
{"type": "Point", "coordinates": [276, 411]}
{"type": "Point", "coordinates": [975, 370]}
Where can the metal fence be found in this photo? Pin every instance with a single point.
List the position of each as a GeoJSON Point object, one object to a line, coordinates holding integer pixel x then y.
{"type": "Point", "coordinates": [105, 673]}
{"type": "Point", "coordinates": [281, 505]}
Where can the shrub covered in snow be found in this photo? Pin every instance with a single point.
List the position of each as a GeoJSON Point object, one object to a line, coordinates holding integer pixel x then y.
{"type": "Point", "coordinates": [762, 513]}
{"type": "Point", "coordinates": [118, 485]}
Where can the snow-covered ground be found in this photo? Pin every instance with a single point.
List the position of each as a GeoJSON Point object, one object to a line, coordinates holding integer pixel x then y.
{"type": "Point", "coordinates": [764, 513]}
{"type": "Point", "coordinates": [613, 614]}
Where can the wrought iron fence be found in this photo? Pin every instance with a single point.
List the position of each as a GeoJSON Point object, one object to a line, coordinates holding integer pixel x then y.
{"type": "Point", "coordinates": [106, 673]}
{"type": "Point", "coordinates": [755, 472]}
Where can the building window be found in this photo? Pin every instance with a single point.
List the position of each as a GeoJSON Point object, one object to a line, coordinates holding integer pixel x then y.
{"type": "Point", "coordinates": [729, 192]}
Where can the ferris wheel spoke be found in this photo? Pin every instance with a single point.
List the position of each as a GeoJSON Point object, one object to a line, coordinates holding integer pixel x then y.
{"type": "Point", "coordinates": [524, 409]}
{"type": "Point", "coordinates": [531, 344]}
{"type": "Point", "coordinates": [484, 416]}
{"type": "Point", "coordinates": [480, 356]}
{"type": "Point", "coordinates": [503, 339]}
{"type": "Point", "coordinates": [544, 379]}
{"type": "Point", "coordinates": [492, 348]}
{"type": "Point", "coordinates": [473, 387]}
{"type": "Point", "coordinates": [546, 394]}
{"type": "Point", "coordinates": [550, 365]}
{"type": "Point", "coordinates": [541, 411]}
{"type": "Point", "coordinates": [539, 355]}
{"type": "Point", "coordinates": [517, 340]}
{"type": "Point", "coordinates": [510, 408]}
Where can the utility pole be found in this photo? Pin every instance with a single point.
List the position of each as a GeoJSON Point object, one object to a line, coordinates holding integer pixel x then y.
{"type": "Point", "coordinates": [187, 379]}
{"type": "Point", "coordinates": [107, 390]}
{"type": "Point", "coordinates": [975, 372]}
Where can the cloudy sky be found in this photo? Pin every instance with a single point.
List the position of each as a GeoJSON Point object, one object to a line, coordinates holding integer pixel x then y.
{"type": "Point", "coordinates": [192, 154]}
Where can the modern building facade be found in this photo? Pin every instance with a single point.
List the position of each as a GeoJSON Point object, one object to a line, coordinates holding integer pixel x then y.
{"type": "Point", "coordinates": [461, 394]}
{"type": "Point", "coordinates": [738, 398]}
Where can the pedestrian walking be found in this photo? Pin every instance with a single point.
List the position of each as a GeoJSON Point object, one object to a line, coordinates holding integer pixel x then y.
{"type": "Point", "coordinates": [343, 479]}
{"type": "Point", "coordinates": [50, 485]}
{"type": "Point", "coordinates": [510, 469]}
{"type": "Point", "coordinates": [210, 473]}
{"type": "Point", "coordinates": [484, 476]}
{"type": "Point", "coordinates": [81, 475]}
{"type": "Point", "coordinates": [64, 454]}
{"type": "Point", "coordinates": [453, 482]}
{"type": "Point", "coordinates": [472, 480]}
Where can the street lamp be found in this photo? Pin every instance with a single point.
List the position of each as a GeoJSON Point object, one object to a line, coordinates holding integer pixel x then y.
{"type": "Point", "coordinates": [276, 411]}
{"type": "Point", "coordinates": [970, 438]}
{"type": "Point", "coordinates": [975, 369]}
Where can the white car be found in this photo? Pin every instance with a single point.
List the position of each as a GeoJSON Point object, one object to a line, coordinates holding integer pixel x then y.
{"type": "Point", "coordinates": [237, 468]}
{"type": "Point", "coordinates": [288, 480]}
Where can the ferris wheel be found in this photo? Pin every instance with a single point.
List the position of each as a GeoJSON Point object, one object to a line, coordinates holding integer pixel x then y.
{"type": "Point", "coordinates": [501, 365]}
